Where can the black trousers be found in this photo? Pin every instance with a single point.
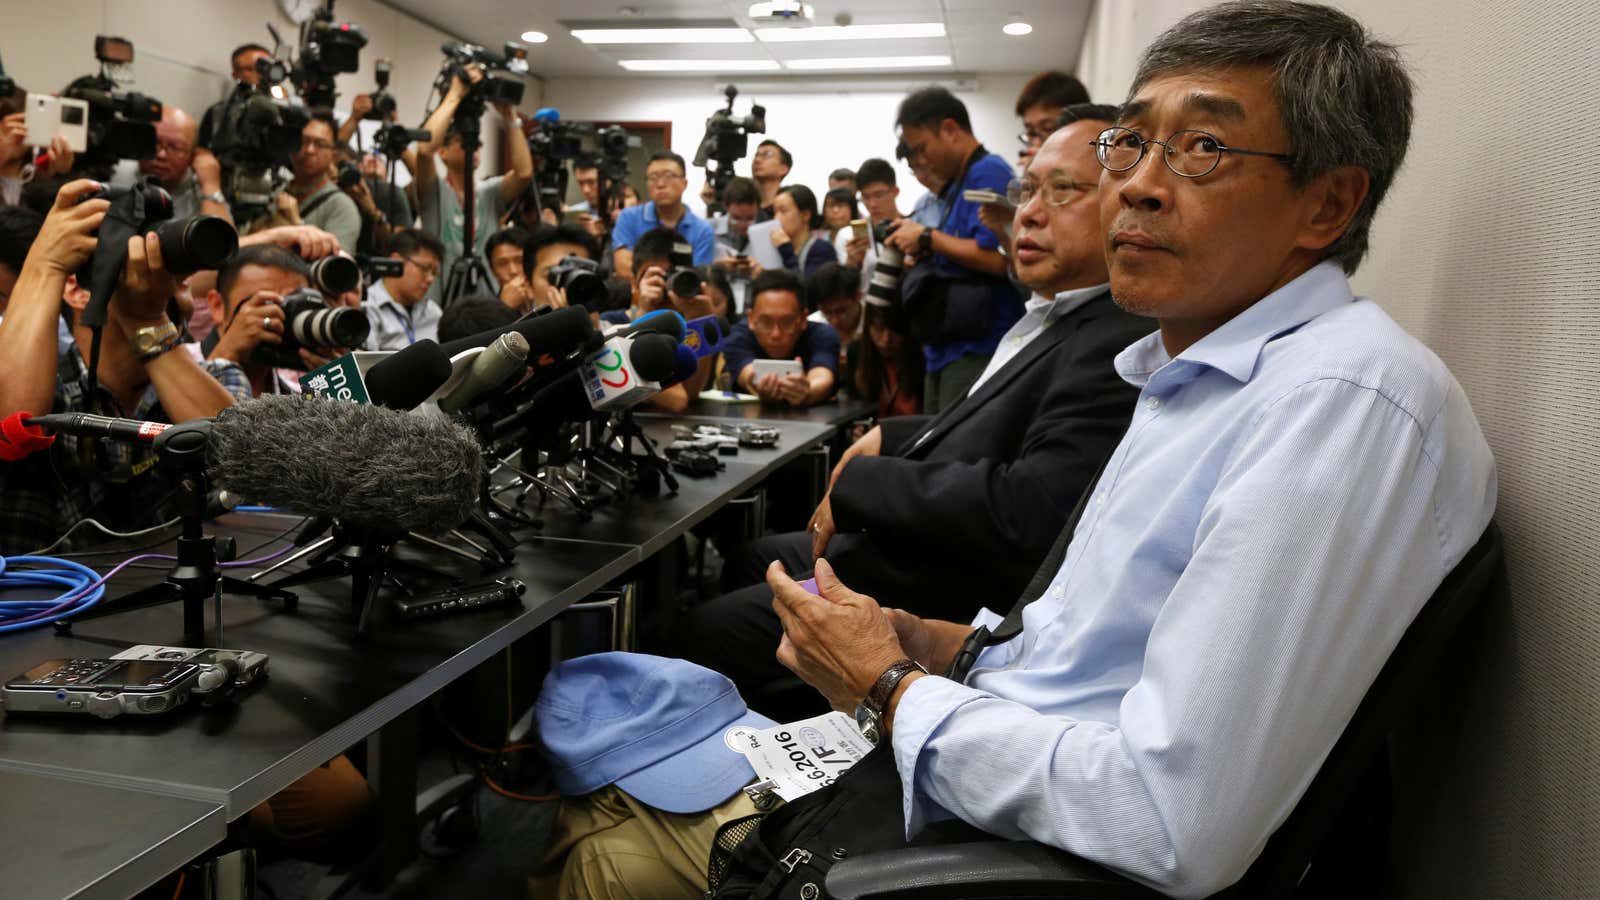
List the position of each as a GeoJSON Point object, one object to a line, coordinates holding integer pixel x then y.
{"type": "Point", "coordinates": [737, 634]}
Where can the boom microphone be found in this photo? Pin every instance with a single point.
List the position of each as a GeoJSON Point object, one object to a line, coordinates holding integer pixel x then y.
{"type": "Point", "coordinates": [409, 376]}
{"type": "Point", "coordinates": [501, 361]}
{"type": "Point", "coordinates": [365, 466]}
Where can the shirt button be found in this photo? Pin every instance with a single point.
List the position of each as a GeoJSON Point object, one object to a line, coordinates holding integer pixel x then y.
{"type": "Point", "coordinates": [1152, 403]}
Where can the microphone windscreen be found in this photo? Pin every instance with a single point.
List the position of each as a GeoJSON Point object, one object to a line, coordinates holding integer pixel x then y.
{"type": "Point", "coordinates": [555, 333]}
{"type": "Point", "coordinates": [684, 365]}
{"type": "Point", "coordinates": [663, 321]}
{"type": "Point", "coordinates": [409, 376]}
{"type": "Point", "coordinates": [653, 356]}
{"type": "Point", "coordinates": [366, 466]}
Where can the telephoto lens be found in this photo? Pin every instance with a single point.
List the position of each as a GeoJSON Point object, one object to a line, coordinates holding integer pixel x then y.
{"type": "Point", "coordinates": [311, 322]}
{"type": "Point", "coordinates": [685, 282]}
{"type": "Point", "coordinates": [884, 287]}
{"type": "Point", "coordinates": [197, 243]}
{"type": "Point", "coordinates": [335, 275]}
{"type": "Point", "coordinates": [349, 175]}
{"type": "Point", "coordinates": [580, 278]}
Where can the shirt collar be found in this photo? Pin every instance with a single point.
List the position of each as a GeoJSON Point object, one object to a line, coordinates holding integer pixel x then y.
{"type": "Point", "coordinates": [1235, 348]}
{"type": "Point", "coordinates": [1066, 301]}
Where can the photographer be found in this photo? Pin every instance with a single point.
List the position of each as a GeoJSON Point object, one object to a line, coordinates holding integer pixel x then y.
{"type": "Point", "coordinates": [192, 178]}
{"type": "Point", "coordinates": [879, 193]}
{"type": "Point", "coordinates": [14, 157]}
{"type": "Point", "coordinates": [547, 247]}
{"type": "Point", "coordinates": [399, 309]}
{"type": "Point", "coordinates": [768, 168]}
{"type": "Point", "coordinates": [654, 259]}
{"type": "Point", "coordinates": [776, 328]}
{"type": "Point", "coordinates": [586, 172]}
{"type": "Point", "coordinates": [963, 300]}
{"type": "Point", "coordinates": [144, 373]}
{"type": "Point", "coordinates": [439, 201]}
{"type": "Point", "coordinates": [667, 178]}
{"type": "Point", "coordinates": [247, 304]}
{"type": "Point", "coordinates": [318, 200]}
{"type": "Point", "coordinates": [383, 206]}
{"type": "Point", "coordinates": [506, 250]}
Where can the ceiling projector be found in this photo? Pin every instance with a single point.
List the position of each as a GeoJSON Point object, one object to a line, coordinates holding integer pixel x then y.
{"type": "Point", "coordinates": [781, 12]}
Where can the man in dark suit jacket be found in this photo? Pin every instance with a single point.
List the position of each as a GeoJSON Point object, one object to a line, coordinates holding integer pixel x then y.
{"type": "Point", "coordinates": [941, 514]}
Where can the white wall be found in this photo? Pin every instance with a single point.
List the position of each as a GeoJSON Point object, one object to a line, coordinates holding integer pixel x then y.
{"type": "Point", "coordinates": [181, 47]}
{"type": "Point", "coordinates": [1486, 250]}
{"type": "Point", "coordinates": [824, 130]}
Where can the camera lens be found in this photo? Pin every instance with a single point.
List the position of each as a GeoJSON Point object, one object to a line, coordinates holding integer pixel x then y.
{"type": "Point", "coordinates": [329, 327]}
{"type": "Point", "coordinates": [685, 283]}
{"type": "Point", "coordinates": [335, 274]}
{"type": "Point", "coordinates": [196, 243]}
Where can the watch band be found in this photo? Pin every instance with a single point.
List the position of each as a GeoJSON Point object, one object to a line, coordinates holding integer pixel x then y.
{"type": "Point", "coordinates": [878, 697]}
{"type": "Point", "coordinates": [925, 241]}
{"type": "Point", "coordinates": [153, 341]}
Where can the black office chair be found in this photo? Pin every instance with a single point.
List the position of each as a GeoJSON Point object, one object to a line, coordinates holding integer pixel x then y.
{"type": "Point", "coordinates": [1337, 834]}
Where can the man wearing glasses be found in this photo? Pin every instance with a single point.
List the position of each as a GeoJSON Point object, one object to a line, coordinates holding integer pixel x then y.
{"type": "Point", "coordinates": [666, 176]}
{"type": "Point", "coordinates": [1039, 106]}
{"type": "Point", "coordinates": [769, 166]}
{"type": "Point", "coordinates": [320, 201]}
{"type": "Point", "coordinates": [776, 328]}
{"type": "Point", "coordinates": [399, 309]}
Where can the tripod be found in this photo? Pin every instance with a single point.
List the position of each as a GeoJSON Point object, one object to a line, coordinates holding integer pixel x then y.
{"type": "Point", "coordinates": [196, 577]}
{"type": "Point", "coordinates": [469, 273]}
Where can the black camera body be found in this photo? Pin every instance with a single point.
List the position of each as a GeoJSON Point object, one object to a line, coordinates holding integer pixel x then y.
{"type": "Point", "coordinates": [684, 279]}
{"type": "Point", "coordinates": [376, 267]}
{"type": "Point", "coordinates": [492, 88]}
{"type": "Point", "coordinates": [349, 176]}
{"type": "Point", "coordinates": [327, 49]}
{"type": "Point", "coordinates": [727, 139]}
{"type": "Point", "coordinates": [255, 135]}
{"type": "Point", "coordinates": [121, 123]}
{"type": "Point", "coordinates": [392, 140]}
{"type": "Point", "coordinates": [308, 321]}
{"type": "Point", "coordinates": [580, 278]}
{"type": "Point", "coordinates": [613, 143]}
{"type": "Point", "coordinates": [383, 105]}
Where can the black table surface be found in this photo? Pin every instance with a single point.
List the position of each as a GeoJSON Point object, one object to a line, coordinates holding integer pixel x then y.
{"type": "Point", "coordinates": [328, 687]}
{"type": "Point", "coordinates": [72, 839]}
{"type": "Point", "coordinates": [835, 412]}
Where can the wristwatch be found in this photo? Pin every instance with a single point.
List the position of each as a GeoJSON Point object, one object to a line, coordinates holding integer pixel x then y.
{"type": "Point", "coordinates": [217, 197]}
{"type": "Point", "coordinates": [869, 712]}
{"type": "Point", "coordinates": [153, 340]}
{"type": "Point", "coordinates": [925, 242]}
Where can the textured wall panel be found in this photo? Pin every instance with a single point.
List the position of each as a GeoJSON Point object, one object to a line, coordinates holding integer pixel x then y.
{"type": "Point", "coordinates": [1488, 249]}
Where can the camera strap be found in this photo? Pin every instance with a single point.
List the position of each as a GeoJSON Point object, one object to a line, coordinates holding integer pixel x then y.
{"type": "Point", "coordinates": [316, 202]}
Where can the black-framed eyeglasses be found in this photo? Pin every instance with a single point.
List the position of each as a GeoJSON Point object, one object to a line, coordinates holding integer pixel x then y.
{"type": "Point", "coordinates": [1189, 153]}
{"type": "Point", "coordinates": [1056, 191]}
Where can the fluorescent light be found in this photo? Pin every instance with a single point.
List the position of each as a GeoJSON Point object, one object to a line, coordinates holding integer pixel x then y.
{"type": "Point", "coordinates": [663, 36]}
{"type": "Point", "coordinates": [851, 32]}
{"type": "Point", "coordinates": [699, 65]}
{"type": "Point", "coordinates": [1017, 29]}
{"type": "Point", "coordinates": [535, 37]}
{"type": "Point", "coordinates": [870, 62]}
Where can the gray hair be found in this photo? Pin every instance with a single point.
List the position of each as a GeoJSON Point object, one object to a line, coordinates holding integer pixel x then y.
{"type": "Point", "coordinates": [1344, 96]}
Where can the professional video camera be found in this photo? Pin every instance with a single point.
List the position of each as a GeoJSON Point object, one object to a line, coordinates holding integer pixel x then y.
{"type": "Point", "coordinates": [327, 48]}
{"type": "Point", "coordinates": [255, 135]}
{"type": "Point", "coordinates": [491, 88]}
{"type": "Point", "coordinates": [187, 246]}
{"type": "Point", "coordinates": [727, 139]}
{"type": "Point", "coordinates": [121, 123]}
{"type": "Point", "coordinates": [308, 321]}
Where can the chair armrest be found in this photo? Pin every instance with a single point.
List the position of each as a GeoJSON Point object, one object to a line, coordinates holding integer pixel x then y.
{"type": "Point", "coordinates": [983, 869]}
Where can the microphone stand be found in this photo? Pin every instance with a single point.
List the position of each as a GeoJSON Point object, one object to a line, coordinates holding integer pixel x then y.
{"type": "Point", "coordinates": [196, 577]}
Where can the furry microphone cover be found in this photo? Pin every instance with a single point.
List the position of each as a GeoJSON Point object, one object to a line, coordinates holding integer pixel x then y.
{"type": "Point", "coordinates": [366, 466]}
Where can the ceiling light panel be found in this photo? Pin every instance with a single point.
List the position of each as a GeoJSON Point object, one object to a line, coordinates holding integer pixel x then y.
{"type": "Point", "coordinates": [851, 33]}
{"type": "Point", "coordinates": [699, 65]}
{"type": "Point", "coordinates": [870, 62]}
{"type": "Point", "coordinates": [663, 35]}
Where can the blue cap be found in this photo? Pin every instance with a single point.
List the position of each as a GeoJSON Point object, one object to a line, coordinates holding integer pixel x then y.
{"type": "Point", "coordinates": [650, 725]}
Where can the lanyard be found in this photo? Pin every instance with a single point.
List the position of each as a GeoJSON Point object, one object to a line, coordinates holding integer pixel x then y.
{"type": "Point", "coordinates": [405, 322]}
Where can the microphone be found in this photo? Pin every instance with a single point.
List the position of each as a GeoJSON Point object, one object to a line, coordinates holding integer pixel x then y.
{"type": "Point", "coordinates": [87, 425]}
{"type": "Point", "coordinates": [684, 364]}
{"type": "Point", "coordinates": [653, 356]}
{"type": "Point", "coordinates": [501, 361]}
{"type": "Point", "coordinates": [366, 466]}
{"type": "Point", "coordinates": [663, 321]}
{"type": "Point", "coordinates": [409, 376]}
{"type": "Point", "coordinates": [556, 333]}
{"type": "Point", "coordinates": [703, 336]}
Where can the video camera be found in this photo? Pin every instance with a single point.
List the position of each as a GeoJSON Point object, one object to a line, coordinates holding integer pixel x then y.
{"type": "Point", "coordinates": [327, 48]}
{"type": "Point", "coordinates": [727, 139]}
{"type": "Point", "coordinates": [491, 88]}
{"type": "Point", "coordinates": [121, 123]}
{"type": "Point", "coordinates": [256, 134]}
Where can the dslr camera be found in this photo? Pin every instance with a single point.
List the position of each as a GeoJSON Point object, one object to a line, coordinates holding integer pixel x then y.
{"type": "Point", "coordinates": [684, 280]}
{"type": "Point", "coordinates": [580, 278]}
{"type": "Point", "coordinates": [884, 287]}
{"type": "Point", "coordinates": [383, 104]}
{"type": "Point", "coordinates": [727, 139]}
{"type": "Point", "coordinates": [308, 321]}
{"type": "Point", "coordinates": [121, 123]}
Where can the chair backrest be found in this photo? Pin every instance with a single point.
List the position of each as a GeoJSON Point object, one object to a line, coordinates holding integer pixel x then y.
{"type": "Point", "coordinates": [1413, 665]}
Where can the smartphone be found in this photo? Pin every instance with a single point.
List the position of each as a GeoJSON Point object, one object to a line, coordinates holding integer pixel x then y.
{"type": "Point", "coordinates": [858, 228]}
{"type": "Point", "coordinates": [986, 198]}
{"type": "Point", "coordinates": [573, 216]}
{"type": "Point", "coordinates": [49, 116]}
{"type": "Point", "coordinates": [778, 367]}
{"type": "Point", "coordinates": [102, 687]}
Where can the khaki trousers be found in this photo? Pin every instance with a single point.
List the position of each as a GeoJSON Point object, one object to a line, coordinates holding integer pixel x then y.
{"type": "Point", "coordinates": [609, 845]}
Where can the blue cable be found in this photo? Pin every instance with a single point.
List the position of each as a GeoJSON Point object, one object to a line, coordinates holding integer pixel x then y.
{"type": "Point", "coordinates": [84, 587]}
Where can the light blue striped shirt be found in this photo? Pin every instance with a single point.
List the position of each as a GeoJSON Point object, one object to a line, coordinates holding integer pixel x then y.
{"type": "Point", "coordinates": [1291, 490]}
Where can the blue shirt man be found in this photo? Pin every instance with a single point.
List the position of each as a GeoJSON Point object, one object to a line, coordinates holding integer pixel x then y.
{"type": "Point", "coordinates": [980, 303]}
{"type": "Point", "coordinates": [666, 178]}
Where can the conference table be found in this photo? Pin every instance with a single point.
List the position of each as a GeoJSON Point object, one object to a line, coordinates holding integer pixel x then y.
{"type": "Point", "coordinates": [329, 686]}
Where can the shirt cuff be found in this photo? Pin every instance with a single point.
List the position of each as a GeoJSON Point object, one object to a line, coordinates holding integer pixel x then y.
{"type": "Point", "coordinates": [921, 711]}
